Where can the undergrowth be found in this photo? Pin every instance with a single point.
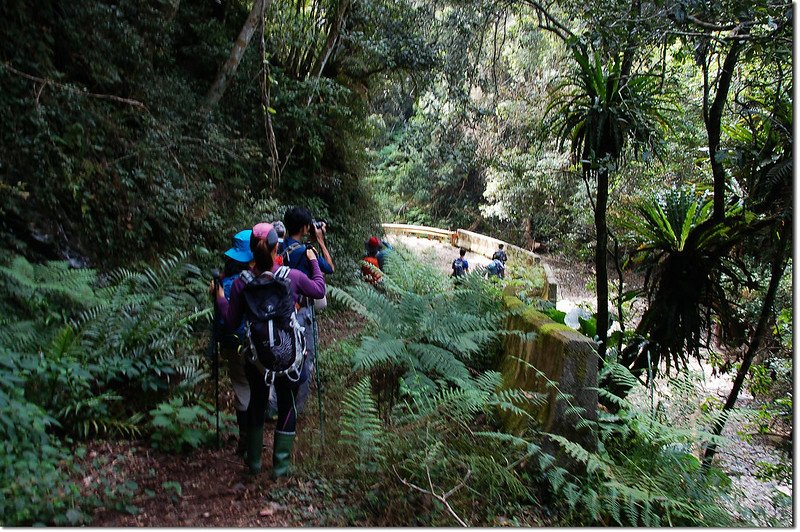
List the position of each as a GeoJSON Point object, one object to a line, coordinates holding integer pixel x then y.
{"type": "Point", "coordinates": [419, 427]}
{"type": "Point", "coordinates": [86, 356]}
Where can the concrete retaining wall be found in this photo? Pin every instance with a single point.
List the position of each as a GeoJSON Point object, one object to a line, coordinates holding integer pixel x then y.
{"type": "Point", "coordinates": [486, 245]}
{"type": "Point", "coordinates": [563, 356]}
{"type": "Point", "coordinates": [445, 235]}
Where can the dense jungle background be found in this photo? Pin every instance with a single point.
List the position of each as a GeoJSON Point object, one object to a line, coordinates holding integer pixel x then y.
{"type": "Point", "coordinates": [647, 143]}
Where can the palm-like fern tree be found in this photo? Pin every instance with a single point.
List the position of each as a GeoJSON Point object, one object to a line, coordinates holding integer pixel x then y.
{"type": "Point", "coordinates": [599, 110]}
{"type": "Point", "coordinates": [687, 261]}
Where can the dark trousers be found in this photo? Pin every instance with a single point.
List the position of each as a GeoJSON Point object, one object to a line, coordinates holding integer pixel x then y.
{"type": "Point", "coordinates": [286, 392]}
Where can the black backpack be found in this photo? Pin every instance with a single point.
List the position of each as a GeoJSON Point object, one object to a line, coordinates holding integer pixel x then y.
{"type": "Point", "coordinates": [500, 255]}
{"type": "Point", "coordinates": [275, 339]}
{"type": "Point", "coordinates": [458, 267]}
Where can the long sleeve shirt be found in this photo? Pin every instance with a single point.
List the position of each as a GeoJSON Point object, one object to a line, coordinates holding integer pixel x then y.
{"type": "Point", "coordinates": [301, 285]}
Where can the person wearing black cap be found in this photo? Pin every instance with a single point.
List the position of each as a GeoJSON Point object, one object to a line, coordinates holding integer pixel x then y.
{"type": "Point", "coordinates": [300, 224]}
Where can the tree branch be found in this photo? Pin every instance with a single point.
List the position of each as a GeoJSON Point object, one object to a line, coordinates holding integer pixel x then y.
{"type": "Point", "coordinates": [45, 82]}
{"type": "Point", "coordinates": [441, 498]}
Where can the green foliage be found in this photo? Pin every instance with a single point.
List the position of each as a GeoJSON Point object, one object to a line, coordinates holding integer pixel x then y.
{"type": "Point", "coordinates": [178, 428]}
{"type": "Point", "coordinates": [645, 471]}
{"type": "Point", "coordinates": [446, 439]}
{"type": "Point", "coordinates": [83, 356]}
{"type": "Point", "coordinates": [686, 259]}
{"type": "Point", "coordinates": [362, 430]}
{"type": "Point", "coordinates": [426, 333]}
{"type": "Point", "coordinates": [598, 109]}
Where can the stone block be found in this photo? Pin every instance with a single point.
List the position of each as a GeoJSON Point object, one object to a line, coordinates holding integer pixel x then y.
{"type": "Point", "coordinates": [561, 355]}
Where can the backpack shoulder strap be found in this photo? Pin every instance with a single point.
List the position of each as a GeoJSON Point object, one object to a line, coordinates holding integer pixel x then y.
{"type": "Point", "coordinates": [286, 254]}
{"type": "Point", "coordinates": [247, 277]}
{"type": "Point", "coordinates": [282, 273]}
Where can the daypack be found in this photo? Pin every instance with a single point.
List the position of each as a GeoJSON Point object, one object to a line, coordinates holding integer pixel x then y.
{"type": "Point", "coordinates": [286, 254]}
{"type": "Point", "coordinates": [458, 267]}
{"type": "Point", "coordinates": [275, 339]}
{"type": "Point", "coordinates": [496, 267]}
{"type": "Point", "coordinates": [500, 255]}
{"type": "Point", "coordinates": [371, 276]}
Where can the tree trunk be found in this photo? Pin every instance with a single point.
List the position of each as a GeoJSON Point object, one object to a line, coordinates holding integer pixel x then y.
{"type": "Point", "coordinates": [228, 68]}
{"type": "Point", "coordinates": [600, 259]}
{"type": "Point", "coordinates": [713, 120]}
{"type": "Point", "coordinates": [330, 42]}
{"type": "Point", "coordinates": [778, 266]}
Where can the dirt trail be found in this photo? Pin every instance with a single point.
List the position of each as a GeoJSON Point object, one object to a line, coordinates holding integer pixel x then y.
{"type": "Point", "coordinates": [210, 487]}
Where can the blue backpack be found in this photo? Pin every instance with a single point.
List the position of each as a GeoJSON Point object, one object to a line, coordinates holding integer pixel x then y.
{"type": "Point", "coordinates": [459, 267]}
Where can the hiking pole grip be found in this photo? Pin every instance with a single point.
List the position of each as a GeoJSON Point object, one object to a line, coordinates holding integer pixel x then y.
{"type": "Point", "coordinates": [216, 277]}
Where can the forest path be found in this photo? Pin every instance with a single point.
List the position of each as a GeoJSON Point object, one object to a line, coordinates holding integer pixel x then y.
{"type": "Point", "coordinates": [216, 491]}
{"type": "Point", "coordinates": [436, 253]}
{"type": "Point", "coordinates": [211, 488]}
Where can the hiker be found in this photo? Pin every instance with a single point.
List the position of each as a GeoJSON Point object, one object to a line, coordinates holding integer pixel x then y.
{"type": "Point", "coordinates": [501, 256]}
{"type": "Point", "coordinates": [253, 291]}
{"type": "Point", "coordinates": [299, 223]}
{"type": "Point", "coordinates": [370, 262]}
{"type": "Point", "coordinates": [237, 259]}
{"type": "Point", "coordinates": [496, 268]}
{"type": "Point", "coordinates": [460, 265]}
{"type": "Point", "coordinates": [280, 229]}
{"type": "Point", "coordinates": [272, 405]}
{"type": "Point", "coordinates": [385, 248]}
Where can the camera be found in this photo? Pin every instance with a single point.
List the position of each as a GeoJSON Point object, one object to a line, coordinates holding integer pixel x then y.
{"type": "Point", "coordinates": [319, 223]}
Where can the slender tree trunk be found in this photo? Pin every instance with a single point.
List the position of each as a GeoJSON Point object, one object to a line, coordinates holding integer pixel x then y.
{"type": "Point", "coordinates": [713, 120]}
{"type": "Point", "coordinates": [330, 42]}
{"type": "Point", "coordinates": [600, 259]}
{"type": "Point", "coordinates": [778, 266]}
{"type": "Point", "coordinates": [228, 68]}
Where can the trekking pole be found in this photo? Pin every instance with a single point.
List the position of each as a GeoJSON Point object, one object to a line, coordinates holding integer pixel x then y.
{"type": "Point", "coordinates": [319, 384]}
{"type": "Point", "coordinates": [215, 347]}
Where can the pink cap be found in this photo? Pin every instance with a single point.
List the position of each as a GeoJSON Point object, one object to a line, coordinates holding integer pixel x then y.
{"type": "Point", "coordinates": [267, 232]}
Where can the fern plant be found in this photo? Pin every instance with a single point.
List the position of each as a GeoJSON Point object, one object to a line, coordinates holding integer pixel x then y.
{"type": "Point", "coordinates": [645, 471]}
{"type": "Point", "coordinates": [423, 336]}
{"type": "Point", "coordinates": [80, 356]}
{"type": "Point", "coordinates": [362, 430]}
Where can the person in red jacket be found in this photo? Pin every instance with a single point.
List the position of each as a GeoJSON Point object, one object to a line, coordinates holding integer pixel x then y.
{"type": "Point", "coordinates": [371, 270]}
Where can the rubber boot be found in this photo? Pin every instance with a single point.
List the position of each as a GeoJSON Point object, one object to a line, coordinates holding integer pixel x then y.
{"type": "Point", "coordinates": [255, 439]}
{"type": "Point", "coordinates": [241, 420]}
{"type": "Point", "coordinates": [282, 454]}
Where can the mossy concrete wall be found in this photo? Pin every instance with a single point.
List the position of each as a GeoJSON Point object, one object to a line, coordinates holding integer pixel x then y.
{"type": "Point", "coordinates": [563, 356]}
{"type": "Point", "coordinates": [486, 246]}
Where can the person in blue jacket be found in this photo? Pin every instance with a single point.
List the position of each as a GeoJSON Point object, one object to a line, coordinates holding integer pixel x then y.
{"type": "Point", "coordinates": [299, 225]}
{"type": "Point", "coordinates": [237, 259]}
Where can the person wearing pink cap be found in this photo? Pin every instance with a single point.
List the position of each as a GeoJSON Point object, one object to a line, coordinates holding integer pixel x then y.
{"type": "Point", "coordinates": [264, 244]}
